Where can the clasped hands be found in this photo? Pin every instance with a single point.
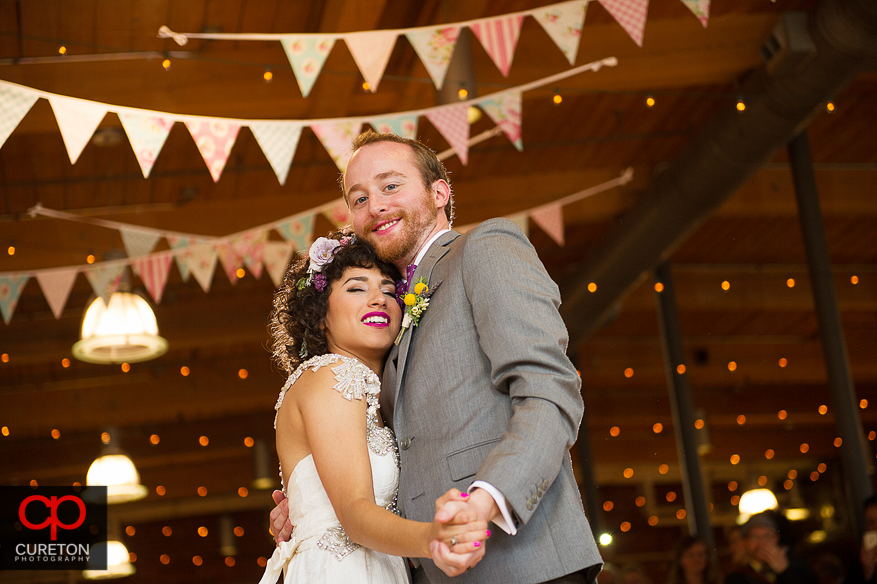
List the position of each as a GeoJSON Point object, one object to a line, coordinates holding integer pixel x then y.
{"type": "Point", "coordinates": [457, 515]}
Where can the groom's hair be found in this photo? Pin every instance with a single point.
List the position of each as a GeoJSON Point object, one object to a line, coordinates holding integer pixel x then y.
{"type": "Point", "coordinates": [297, 320]}
{"type": "Point", "coordinates": [431, 168]}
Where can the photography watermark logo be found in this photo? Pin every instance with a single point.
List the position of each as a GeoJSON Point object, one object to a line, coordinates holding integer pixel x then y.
{"type": "Point", "coordinates": [53, 528]}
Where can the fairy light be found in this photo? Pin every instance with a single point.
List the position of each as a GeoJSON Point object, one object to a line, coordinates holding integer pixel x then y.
{"type": "Point", "coordinates": [814, 476]}
{"type": "Point", "coordinates": [243, 492]}
{"type": "Point", "coordinates": [823, 409]}
{"type": "Point", "coordinates": [11, 250]}
{"type": "Point", "coordinates": [62, 50]}
{"type": "Point", "coordinates": [805, 448]}
{"type": "Point", "coordinates": [462, 93]}
{"type": "Point", "coordinates": [822, 467]}
{"type": "Point", "coordinates": [614, 431]}
{"type": "Point", "coordinates": [203, 440]}
{"type": "Point", "coordinates": [838, 442]}
{"type": "Point", "coordinates": [650, 101]}
{"type": "Point", "coordinates": [732, 486]}
{"type": "Point", "coordinates": [125, 368]}
{"type": "Point", "coordinates": [726, 285]}
{"type": "Point", "coordinates": [240, 273]}
{"type": "Point", "coordinates": [65, 362]}
{"type": "Point", "coordinates": [659, 287]}
{"type": "Point", "coordinates": [854, 280]}
{"type": "Point", "coordinates": [56, 433]}
{"type": "Point", "coordinates": [130, 530]}
{"type": "Point", "coordinates": [782, 414]}
{"type": "Point", "coordinates": [229, 561]}
{"type": "Point", "coordinates": [202, 531]}
{"type": "Point", "coordinates": [658, 428]}
{"type": "Point", "coordinates": [681, 514]}
{"type": "Point", "coordinates": [698, 424]}
{"type": "Point", "coordinates": [184, 371]}
{"type": "Point", "coordinates": [788, 484]}
{"type": "Point", "coordinates": [741, 105]}
{"type": "Point", "coordinates": [366, 86]}
{"type": "Point", "coordinates": [783, 362]}
{"type": "Point", "coordinates": [242, 373]}
{"type": "Point", "coordinates": [167, 531]}
{"type": "Point", "coordinates": [160, 491]}
{"type": "Point", "coordinates": [557, 97]}
{"type": "Point", "coordinates": [735, 458]}
{"type": "Point", "coordinates": [154, 439]}
{"type": "Point", "coordinates": [653, 520]}
{"type": "Point", "coordinates": [239, 531]}
{"type": "Point", "coordinates": [248, 442]}
{"type": "Point", "coordinates": [640, 501]}
{"type": "Point", "coordinates": [629, 373]}
{"type": "Point", "coordinates": [608, 506]}
{"type": "Point", "coordinates": [872, 435]}
{"type": "Point", "coordinates": [166, 64]}
{"type": "Point", "coordinates": [268, 76]}
{"type": "Point", "coordinates": [732, 366]}
{"type": "Point", "coordinates": [863, 403]}
{"type": "Point", "coordinates": [197, 560]}
{"type": "Point", "coordinates": [664, 469]}
{"type": "Point", "coordinates": [829, 107]}
{"type": "Point", "coordinates": [89, 259]}
{"type": "Point", "coordinates": [202, 491]}
{"type": "Point", "coordinates": [790, 282]}
{"type": "Point", "coordinates": [592, 287]}
{"type": "Point", "coordinates": [769, 453]}
{"type": "Point", "coordinates": [680, 369]}
{"type": "Point", "coordinates": [762, 480]}
{"type": "Point", "coordinates": [165, 559]}
{"type": "Point", "coordinates": [671, 496]}
{"type": "Point", "coordinates": [741, 419]}
{"type": "Point", "coordinates": [628, 473]}
{"type": "Point", "coordinates": [625, 527]}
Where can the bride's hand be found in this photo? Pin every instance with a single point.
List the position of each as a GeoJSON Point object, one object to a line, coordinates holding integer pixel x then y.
{"type": "Point", "coordinates": [451, 563]}
{"type": "Point", "coordinates": [281, 527]}
{"type": "Point", "coordinates": [459, 536]}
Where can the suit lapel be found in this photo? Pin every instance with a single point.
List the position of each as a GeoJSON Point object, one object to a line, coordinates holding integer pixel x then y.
{"type": "Point", "coordinates": [424, 270]}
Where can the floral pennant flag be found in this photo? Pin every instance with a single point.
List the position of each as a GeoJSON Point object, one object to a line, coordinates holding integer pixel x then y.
{"type": "Point", "coordinates": [405, 126]}
{"type": "Point", "coordinates": [563, 23]}
{"type": "Point", "coordinates": [180, 245]}
{"type": "Point", "coordinates": [299, 231]}
{"type": "Point", "coordinates": [631, 15]}
{"type": "Point", "coordinates": [550, 219]}
{"type": "Point", "coordinates": [229, 259]}
{"type": "Point", "coordinates": [105, 278]}
{"type": "Point", "coordinates": [138, 243]}
{"type": "Point", "coordinates": [700, 8]}
{"type": "Point", "coordinates": [500, 38]}
{"type": "Point", "coordinates": [201, 260]}
{"type": "Point", "coordinates": [56, 286]}
{"type": "Point", "coordinates": [250, 247]}
{"type": "Point", "coordinates": [306, 56]}
{"type": "Point", "coordinates": [147, 134]}
{"type": "Point", "coordinates": [10, 290]}
{"type": "Point", "coordinates": [453, 123]}
{"type": "Point", "coordinates": [77, 120]}
{"type": "Point", "coordinates": [522, 221]}
{"type": "Point", "coordinates": [276, 257]}
{"type": "Point", "coordinates": [337, 213]}
{"type": "Point", "coordinates": [435, 47]}
{"type": "Point", "coordinates": [371, 51]}
{"type": "Point", "coordinates": [278, 141]}
{"type": "Point", "coordinates": [505, 111]}
{"type": "Point", "coordinates": [337, 139]}
{"type": "Point", "coordinates": [153, 270]}
{"type": "Point", "coordinates": [214, 140]}
{"type": "Point", "coordinates": [15, 102]}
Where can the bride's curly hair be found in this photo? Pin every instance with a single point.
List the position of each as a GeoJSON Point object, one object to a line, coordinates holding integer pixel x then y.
{"type": "Point", "coordinates": [299, 311]}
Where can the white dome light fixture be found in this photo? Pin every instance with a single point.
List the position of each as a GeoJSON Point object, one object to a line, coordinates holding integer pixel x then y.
{"type": "Point", "coordinates": [116, 471]}
{"type": "Point", "coordinates": [755, 501]}
{"type": "Point", "coordinates": [123, 331]}
{"type": "Point", "coordinates": [118, 563]}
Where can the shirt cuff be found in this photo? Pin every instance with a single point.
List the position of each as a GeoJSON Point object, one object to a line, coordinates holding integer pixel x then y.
{"type": "Point", "coordinates": [504, 521]}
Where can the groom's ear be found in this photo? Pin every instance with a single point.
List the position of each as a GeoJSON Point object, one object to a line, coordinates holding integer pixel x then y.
{"type": "Point", "coordinates": [441, 192]}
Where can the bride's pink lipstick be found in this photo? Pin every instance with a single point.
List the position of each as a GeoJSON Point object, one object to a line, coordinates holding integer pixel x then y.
{"type": "Point", "coordinates": [376, 322]}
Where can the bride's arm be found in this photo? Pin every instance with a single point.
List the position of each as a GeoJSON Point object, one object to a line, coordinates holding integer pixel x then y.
{"type": "Point", "coordinates": [336, 432]}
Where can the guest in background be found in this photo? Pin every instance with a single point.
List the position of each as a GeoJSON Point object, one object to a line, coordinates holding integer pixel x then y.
{"type": "Point", "coordinates": [736, 549]}
{"type": "Point", "coordinates": [692, 563]}
{"type": "Point", "coordinates": [768, 542]}
{"type": "Point", "coordinates": [634, 573]}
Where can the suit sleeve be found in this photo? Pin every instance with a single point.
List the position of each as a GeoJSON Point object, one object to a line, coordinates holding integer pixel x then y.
{"type": "Point", "coordinates": [515, 310]}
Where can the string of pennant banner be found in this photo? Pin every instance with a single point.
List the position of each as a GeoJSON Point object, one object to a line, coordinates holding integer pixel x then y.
{"type": "Point", "coordinates": [199, 255]}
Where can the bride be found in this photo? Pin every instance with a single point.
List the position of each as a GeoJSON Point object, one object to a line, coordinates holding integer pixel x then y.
{"type": "Point", "coordinates": [334, 319]}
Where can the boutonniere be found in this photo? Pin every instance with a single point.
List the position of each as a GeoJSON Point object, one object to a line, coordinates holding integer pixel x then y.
{"type": "Point", "coordinates": [416, 301]}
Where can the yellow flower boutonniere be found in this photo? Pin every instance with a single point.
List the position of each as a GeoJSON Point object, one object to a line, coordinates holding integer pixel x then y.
{"type": "Point", "coordinates": [416, 304]}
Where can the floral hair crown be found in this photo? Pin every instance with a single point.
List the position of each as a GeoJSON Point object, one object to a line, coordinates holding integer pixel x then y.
{"type": "Point", "coordinates": [321, 253]}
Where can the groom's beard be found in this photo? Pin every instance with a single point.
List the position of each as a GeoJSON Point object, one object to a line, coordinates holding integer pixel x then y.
{"type": "Point", "coordinates": [415, 224]}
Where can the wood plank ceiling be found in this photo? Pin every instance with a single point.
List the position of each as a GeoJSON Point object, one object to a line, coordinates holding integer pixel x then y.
{"type": "Point", "coordinates": [601, 127]}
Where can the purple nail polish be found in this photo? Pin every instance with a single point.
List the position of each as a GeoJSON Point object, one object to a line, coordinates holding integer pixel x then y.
{"type": "Point", "coordinates": [488, 533]}
{"type": "Point", "coordinates": [476, 543]}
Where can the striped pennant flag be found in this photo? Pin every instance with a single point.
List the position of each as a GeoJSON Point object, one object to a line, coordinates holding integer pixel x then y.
{"type": "Point", "coordinates": [500, 38]}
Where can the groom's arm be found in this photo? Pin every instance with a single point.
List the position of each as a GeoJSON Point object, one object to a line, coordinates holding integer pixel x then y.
{"type": "Point", "coordinates": [515, 311]}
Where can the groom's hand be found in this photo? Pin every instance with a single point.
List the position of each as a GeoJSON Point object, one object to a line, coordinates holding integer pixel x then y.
{"type": "Point", "coordinates": [479, 503]}
{"type": "Point", "coordinates": [281, 527]}
{"type": "Point", "coordinates": [451, 563]}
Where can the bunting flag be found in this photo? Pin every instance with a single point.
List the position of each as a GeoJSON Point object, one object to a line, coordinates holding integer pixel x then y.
{"type": "Point", "coordinates": [550, 219]}
{"type": "Point", "coordinates": [435, 47]}
{"type": "Point", "coordinates": [229, 260]}
{"type": "Point", "coordinates": [500, 38]}
{"type": "Point", "coordinates": [563, 23]}
{"type": "Point", "coordinates": [700, 8]}
{"type": "Point", "coordinates": [337, 139]}
{"type": "Point", "coordinates": [337, 213]}
{"type": "Point", "coordinates": [180, 245]}
{"type": "Point", "coordinates": [10, 290]}
{"type": "Point", "coordinates": [522, 221]}
{"type": "Point", "coordinates": [278, 141]}
{"type": "Point", "coordinates": [631, 15]}
{"type": "Point", "coordinates": [138, 243]}
{"type": "Point", "coordinates": [15, 102]}
{"type": "Point", "coordinates": [77, 120]}
{"type": "Point", "coordinates": [405, 126]}
{"type": "Point", "coordinates": [147, 134]}
{"type": "Point", "coordinates": [105, 278]}
{"type": "Point", "coordinates": [250, 248]}
{"type": "Point", "coordinates": [153, 271]}
{"type": "Point", "coordinates": [201, 260]}
{"type": "Point", "coordinates": [214, 139]}
{"type": "Point", "coordinates": [298, 231]}
{"type": "Point", "coordinates": [276, 257]}
{"type": "Point", "coordinates": [56, 286]}
{"type": "Point", "coordinates": [371, 51]}
{"type": "Point", "coordinates": [452, 122]}
{"type": "Point", "coordinates": [505, 111]}
{"type": "Point", "coordinates": [306, 57]}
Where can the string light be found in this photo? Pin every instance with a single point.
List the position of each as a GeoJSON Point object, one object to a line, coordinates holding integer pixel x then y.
{"type": "Point", "coordinates": [130, 530]}
{"type": "Point", "coordinates": [160, 491]}
{"type": "Point", "coordinates": [462, 94]}
{"type": "Point", "coordinates": [65, 362]}
{"type": "Point", "coordinates": [793, 474]}
{"type": "Point", "coordinates": [650, 100]}
{"type": "Point", "coordinates": [89, 259]}
{"type": "Point", "coordinates": [628, 473]}
{"type": "Point", "coordinates": [105, 437]}
{"type": "Point", "coordinates": [640, 501]}
{"type": "Point", "coordinates": [732, 486]}
{"type": "Point", "coordinates": [154, 439]}
{"type": "Point", "coordinates": [184, 371]}
{"type": "Point", "coordinates": [671, 496]}
{"type": "Point", "coordinates": [762, 480]}
{"type": "Point", "coordinates": [248, 442]}
{"type": "Point", "coordinates": [664, 469]}
{"type": "Point", "coordinates": [769, 453]}
{"type": "Point", "coordinates": [829, 107]}
{"type": "Point", "coordinates": [11, 249]}
{"type": "Point", "coordinates": [62, 50]}
{"type": "Point", "coordinates": [56, 433]}
{"type": "Point", "coordinates": [557, 97]}
{"type": "Point", "coordinates": [4, 357]}
{"type": "Point", "coordinates": [732, 366]}
{"type": "Point", "coordinates": [804, 448]}
{"type": "Point", "coordinates": [741, 105]}
{"type": "Point", "coordinates": [366, 86]}
{"type": "Point", "coordinates": [240, 273]}
{"type": "Point", "coordinates": [681, 514]}
{"type": "Point", "coordinates": [229, 561]}
{"type": "Point", "coordinates": [165, 559]}
{"type": "Point", "coordinates": [783, 362]}
{"type": "Point", "coordinates": [823, 409]}
{"type": "Point", "coordinates": [782, 414]}
{"type": "Point", "coordinates": [863, 403]}
{"type": "Point", "coordinates": [268, 76]}
{"type": "Point", "coordinates": [608, 506]}
{"type": "Point", "coordinates": [242, 373]}
{"type": "Point", "coordinates": [592, 287]}
{"type": "Point", "coordinates": [698, 424]}
{"type": "Point", "coordinates": [680, 369]}
{"type": "Point", "coordinates": [197, 560]}
{"type": "Point", "coordinates": [166, 64]}
{"type": "Point", "coordinates": [167, 531]}
{"type": "Point", "coordinates": [614, 431]}
{"type": "Point", "coordinates": [658, 428]}
{"type": "Point", "coordinates": [735, 458]}
{"type": "Point", "coordinates": [202, 491]}
{"type": "Point", "coordinates": [203, 441]}
{"type": "Point", "coordinates": [659, 287]}
{"type": "Point", "coordinates": [653, 520]}
{"type": "Point", "coordinates": [726, 285]}
{"type": "Point", "coordinates": [125, 368]}
{"type": "Point", "coordinates": [854, 280]}
{"type": "Point", "coordinates": [625, 527]}
{"type": "Point", "coordinates": [790, 282]}
{"type": "Point", "coordinates": [741, 419]}
{"type": "Point", "coordinates": [822, 467]}
{"type": "Point", "coordinates": [628, 372]}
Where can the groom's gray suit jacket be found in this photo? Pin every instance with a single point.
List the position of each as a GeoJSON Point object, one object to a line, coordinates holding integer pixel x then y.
{"type": "Point", "coordinates": [482, 389]}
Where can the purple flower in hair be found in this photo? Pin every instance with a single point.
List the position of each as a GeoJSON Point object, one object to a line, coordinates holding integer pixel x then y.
{"type": "Point", "coordinates": [320, 282]}
{"type": "Point", "coordinates": [322, 252]}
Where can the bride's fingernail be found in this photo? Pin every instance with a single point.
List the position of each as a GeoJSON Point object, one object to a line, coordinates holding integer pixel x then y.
{"type": "Point", "coordinates": [488, 533]}
{"type": "Point", "coordinates": [476, 543]}
{"type": "Point", "coordinates": [464, 495]}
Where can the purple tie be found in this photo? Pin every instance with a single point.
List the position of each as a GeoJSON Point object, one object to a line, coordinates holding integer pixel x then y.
{"type": "Point", "coordinates": [402, 286]}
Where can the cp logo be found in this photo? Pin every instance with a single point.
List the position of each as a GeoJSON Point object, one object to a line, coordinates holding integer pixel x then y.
{"type": "Point", "coordinates": [52, 505]}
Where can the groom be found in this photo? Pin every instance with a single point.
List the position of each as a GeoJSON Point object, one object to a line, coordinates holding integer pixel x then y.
{"type": "Point", "coordinates": [481, 394]}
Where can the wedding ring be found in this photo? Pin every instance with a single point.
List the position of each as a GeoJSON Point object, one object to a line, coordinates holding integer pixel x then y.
{"type": "Point", "coordinates": [454, 540]}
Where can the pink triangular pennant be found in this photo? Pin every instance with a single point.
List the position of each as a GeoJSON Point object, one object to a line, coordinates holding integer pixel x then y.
{"type": "Point", "coordinates": [147, 134]}
{"type": "Point", "coordinates": [523, 222]}
{"type": "Point", "coordinates": [700, 8]}
{"type": "Point", "coordinates": [505, 111]}
{"type": "Point", "coordinates": [276, 257]}
{"type": "Point", "coordinates": [631, 15]}
{"type": "Point", "coordinates": [550, 219]}
{"type": "Point", "coordinates": [153, 270]}
{"type": "Point", "coordinates": [77, 120]}
{"type": "Point", "coordinates": [105, 278]}
{"type": "Point", "coordinates": [278, 141]}
{"type": "Point", "coordinates": [371, 51]}
{"type": "Point", "coordinates": [453, 123]}
{"type": "Point", "coordinates": [499, 38]}
{"type": "Point", "coordinates": [10, 290]}
{"type": "Point", "coordinates": [337, 213]}
{"type": "Point", "coordinates": [15, 102]}
{"type": "Point", "coordinates": [214, 140]}
{"type": "Point", "coordinates": [182, 254]}
{"type": "Point", "coordinates": [56, 286]}
{"type": "Point", "coordinates": [435, 47]}
{"type": "Point", "coordinates": [306, 56]}
{"type": "Point", "coordinates": [563, 22]}
{"type": "Point", "coordinates": [138, 243]}
{"type": "Point", "coordinates": [229, 260]}
{"type": "Point", "coordinates": [250, 248]}
{"type": "Point", "coordinates": [202, 263]}
{"type": "Point", "coordinates": [337, 139]}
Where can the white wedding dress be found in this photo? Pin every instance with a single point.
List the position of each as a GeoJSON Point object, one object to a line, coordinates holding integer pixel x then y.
{"type": "Point", "coordinates": [319, 551]}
